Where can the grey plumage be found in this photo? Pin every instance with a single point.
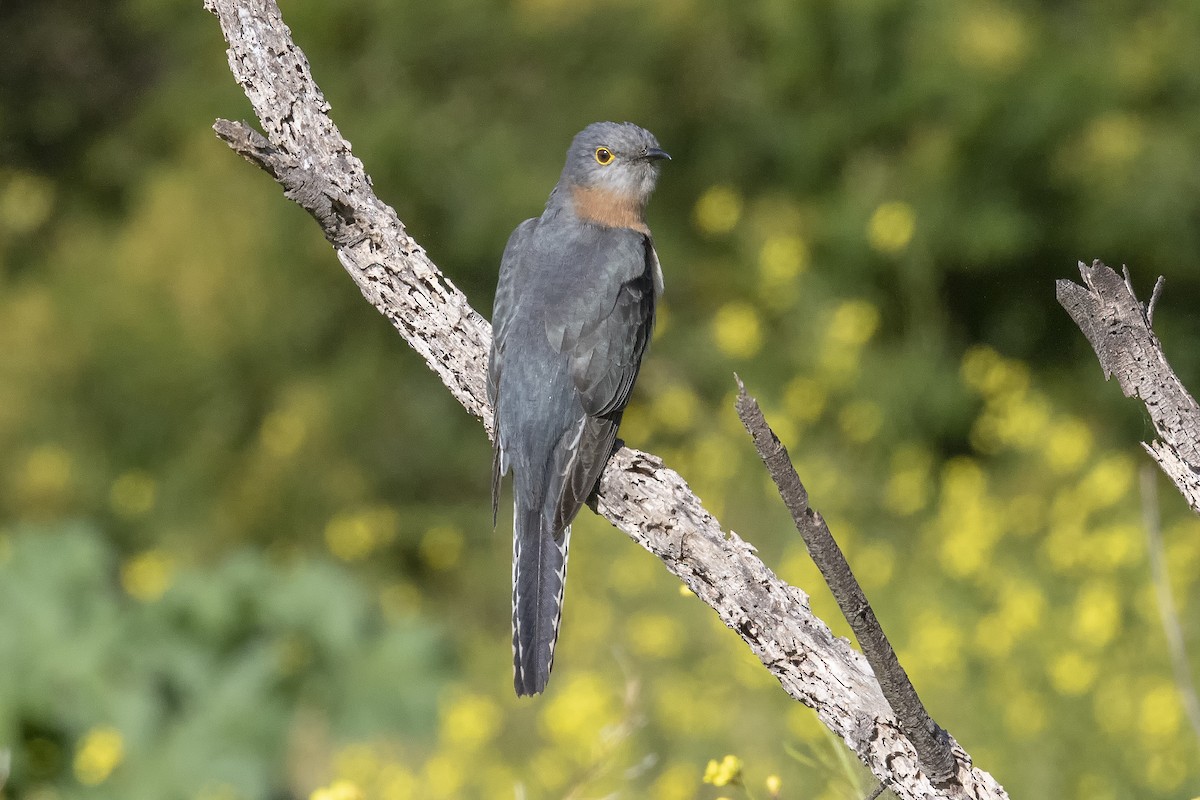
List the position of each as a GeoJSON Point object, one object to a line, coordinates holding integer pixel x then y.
{"type": "Point", "coordinates": [573, 314]}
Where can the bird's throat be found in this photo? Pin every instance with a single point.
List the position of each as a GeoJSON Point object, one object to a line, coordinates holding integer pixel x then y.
{"type": "Point", "coordinates": [610, 209]}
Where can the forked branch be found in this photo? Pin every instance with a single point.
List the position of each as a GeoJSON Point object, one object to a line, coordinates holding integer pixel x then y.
{"type": "Point", "coordinates": [304, 151]}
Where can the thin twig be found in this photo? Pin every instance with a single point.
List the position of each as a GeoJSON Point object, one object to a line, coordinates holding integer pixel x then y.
{"type": "Point", "coordinates": [1157, 293]}
{"type": "Point", "coordinates": [930, 741]}
{"type": "Point", "coordinates": [880, 789]}
{"type": "Point", "coordinates": [1166, 603]}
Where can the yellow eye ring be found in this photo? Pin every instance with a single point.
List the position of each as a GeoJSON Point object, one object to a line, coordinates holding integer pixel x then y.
{"type": "Point", "coordinates": [604, 156]}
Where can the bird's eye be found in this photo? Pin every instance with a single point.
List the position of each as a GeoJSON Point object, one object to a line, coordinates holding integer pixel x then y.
{"type": "Point", "coordinates": [604, 156]}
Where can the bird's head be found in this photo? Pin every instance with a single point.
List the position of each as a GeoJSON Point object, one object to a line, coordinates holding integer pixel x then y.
{"type": "Point", "coordinates": [616, 158]}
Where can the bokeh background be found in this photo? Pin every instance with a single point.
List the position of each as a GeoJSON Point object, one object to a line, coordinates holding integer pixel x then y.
{"type": "Point", "coordinates": [245, 547]}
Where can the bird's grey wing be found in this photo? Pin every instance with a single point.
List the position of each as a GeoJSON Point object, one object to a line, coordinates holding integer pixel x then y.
{"type": "Point", "coordinates": [604, 328]}
{"type": "Point", "coordinates": [604, 338]}
{"type": "Point", "coordinates": [581, 465]}
{"type": "Point", "coordinates": [503, 310]}
{"type": "Point", "coordinates": [607, 353]}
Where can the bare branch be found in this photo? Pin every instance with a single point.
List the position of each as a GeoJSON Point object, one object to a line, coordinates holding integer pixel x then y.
{"type": "Point", "coordinates": [306, 153]}
{"type": "Point", "coordinates": [1118, 327]}
{"type": "Point", "coordinates": [930, 741]}
{"type": "Point", "coordinates": [638, 494]}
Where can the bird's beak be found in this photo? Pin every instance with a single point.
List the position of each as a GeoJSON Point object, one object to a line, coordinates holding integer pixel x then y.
{"type": "Point", "coordinates": [655, 154]}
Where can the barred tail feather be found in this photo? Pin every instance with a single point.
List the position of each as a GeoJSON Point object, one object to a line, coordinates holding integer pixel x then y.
{"type": "Point", "coordinates": [539, 575]}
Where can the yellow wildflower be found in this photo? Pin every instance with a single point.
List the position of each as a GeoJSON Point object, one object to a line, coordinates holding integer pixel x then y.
{"type": "Point", "coordinates": [1072, 674]}
{"type": "Point", "coordinates": [582, 705]}
{"type": "Point", "coordinates": [1022, 604]}
{"type": "Point", "coordinates": [470, 721]}
{"type": "Point", "coordinates": [780, 261]}
{"type": "Point", "coordinates": [675, 408]}
{"type": "Point", "coordinates": [397, 783]}
{"type": "Point", "coordinates": [1161, 713]}
{"type": "Point", "coordinates": [1109, 481]}
{"type": "Point", "coordinates": [1114, 546]}
{"type": "Point", "coordinates": [100, 752]}
{"type": "Point", "coordinates": [353, 535]}
{"type": "Point", "coordinates": [718, 210]}
{"type": "Point", "coordinates": [736, 330]}
{"type": "Point", "coordinates": [1097, 614]}
{"type": "Point", "coordinates": [854, 322]}
{"type": "Point", "coordinates": [891, 227]}
{"type": "Point", "coordinates": [147, 576]}
{"type": "Point", "coordinates": [1068, 445]}
{"type": "Point", "coordinates": [727, 771]}
{"type": "Point", "coordinates": [338, 790]}
{"type": "Point", "coordinates": [993, 38]}
{"type": "Point", "coordinates": [444, 775]}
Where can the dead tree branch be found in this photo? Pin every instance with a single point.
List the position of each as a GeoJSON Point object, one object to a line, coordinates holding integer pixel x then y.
{"type": "Point", "coordinates": [1118, 327]}
{"type": "Point", "coordinates": [930, 741]}
{"type": "Point", "coordinates": [306, 154]}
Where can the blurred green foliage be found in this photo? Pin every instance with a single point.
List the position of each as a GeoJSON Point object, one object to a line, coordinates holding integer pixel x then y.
{"type": "Point", "coordinates": [244, 539]}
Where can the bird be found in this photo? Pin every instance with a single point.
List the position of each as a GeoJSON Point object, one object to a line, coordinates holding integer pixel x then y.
{"type": "Point", "coordinates": [573, 315]}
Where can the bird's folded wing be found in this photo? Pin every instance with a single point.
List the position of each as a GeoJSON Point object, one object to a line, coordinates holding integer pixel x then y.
{"type": "Point", "coordinates": [604, 331]}
{"type": "Point", "coordinates": [502, 314]}
{"type": "Point", "coordinates": [580, 466]}
{"type": "Point", "coordinates": [604, 338]}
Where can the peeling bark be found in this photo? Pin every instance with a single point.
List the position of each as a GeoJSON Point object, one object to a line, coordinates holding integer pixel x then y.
{"type": "Point", "coordinates": [306, 154]}
{"type": "Point", "coordinates": [1118, 328]}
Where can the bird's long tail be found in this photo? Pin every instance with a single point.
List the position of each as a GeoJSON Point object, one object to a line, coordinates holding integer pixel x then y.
{"type": "Point", "coordinates": [539, 575]}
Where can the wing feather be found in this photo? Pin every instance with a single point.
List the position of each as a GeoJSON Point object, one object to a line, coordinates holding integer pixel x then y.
{"type": "Point", "coordinates": [504, 309]}
{"type": "Point", "coordinates": [604, 330]}
{"type": "Point", "coordinates": [604, 342]}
